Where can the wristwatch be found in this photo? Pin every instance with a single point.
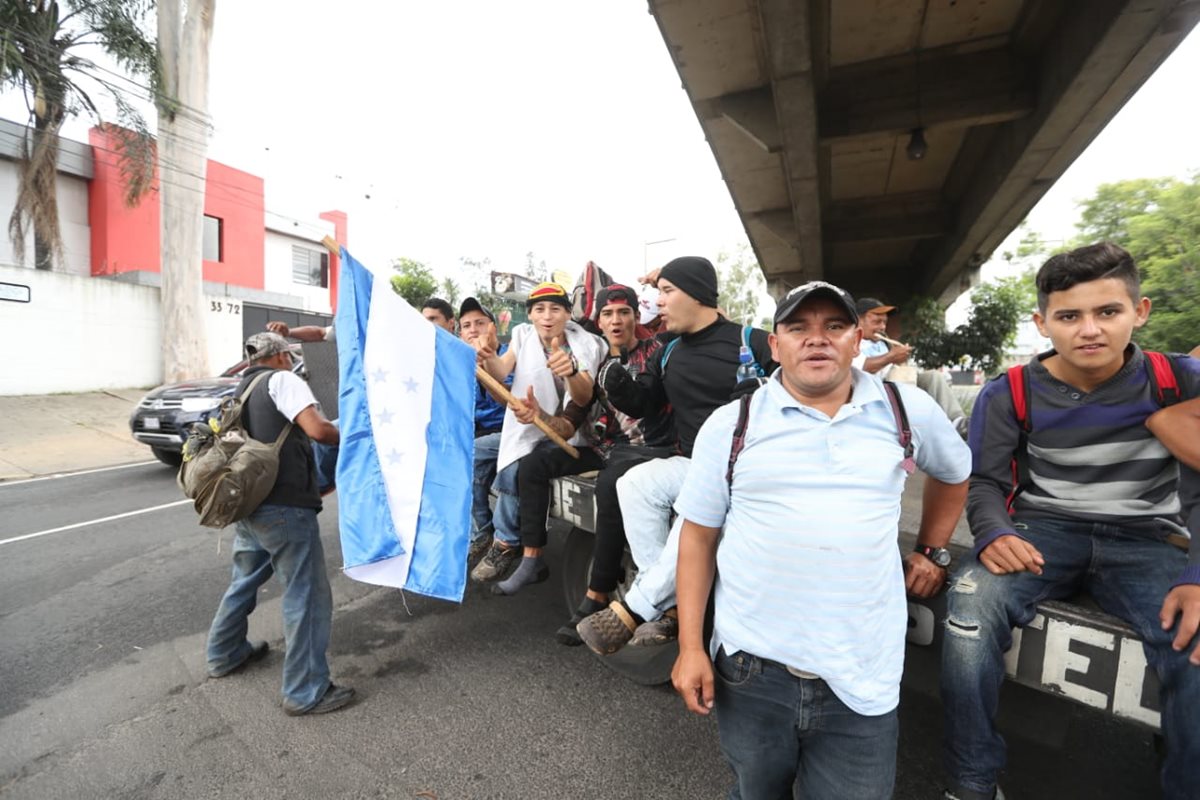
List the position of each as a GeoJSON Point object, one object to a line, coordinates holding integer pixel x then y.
{"type": "Point", "coordinates": [938, 555]}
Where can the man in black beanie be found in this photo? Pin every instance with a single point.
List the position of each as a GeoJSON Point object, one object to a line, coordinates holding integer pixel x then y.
{"type": "Point", "coordinates": [695, 374]}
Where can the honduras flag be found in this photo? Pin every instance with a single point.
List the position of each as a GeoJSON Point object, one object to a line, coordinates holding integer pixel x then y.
{"type": "Point", "coordinates": [406, 407]}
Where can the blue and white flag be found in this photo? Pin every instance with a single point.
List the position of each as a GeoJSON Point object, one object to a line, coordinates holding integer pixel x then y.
{"type": "Point", "coordinates": [406, 408]}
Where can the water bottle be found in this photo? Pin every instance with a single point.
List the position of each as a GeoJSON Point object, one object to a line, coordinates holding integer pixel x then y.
{"type": "Point", "coordinates": [746, 370]}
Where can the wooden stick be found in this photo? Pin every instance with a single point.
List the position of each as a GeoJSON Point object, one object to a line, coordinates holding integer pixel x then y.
{"type": "Point", "coordinates": [331, 245]}
{"type": "Point", "coordinates": [500, 390]}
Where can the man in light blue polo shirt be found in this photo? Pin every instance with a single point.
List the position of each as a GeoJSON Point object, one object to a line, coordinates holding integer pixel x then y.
{"type": "Point", "coordinates": [810, 621]}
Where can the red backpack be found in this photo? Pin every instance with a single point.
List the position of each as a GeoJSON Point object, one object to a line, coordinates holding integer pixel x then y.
{"type": "Point", "coordinates": [1163, 380]}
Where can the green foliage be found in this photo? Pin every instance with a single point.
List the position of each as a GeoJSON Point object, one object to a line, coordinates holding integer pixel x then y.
{"type": "Point", "coordinates": [1158, 221]}
{"type": "Point", "coordinates": [39, 57]}
{"type": "Point", "coordinates": [448, 290]}
{"type": "Point", "coordinates": [997, 308]}
{"type": "Point", "coordinates": [415, 282]}
{"type": "Point", "coordinates": [741, 285]}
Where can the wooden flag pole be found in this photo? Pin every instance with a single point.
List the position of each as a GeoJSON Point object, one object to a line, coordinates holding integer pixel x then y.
{"type": "Point", "coordinates": [500, 390]}
{"type": "Point", "coordinates": [330, 245]}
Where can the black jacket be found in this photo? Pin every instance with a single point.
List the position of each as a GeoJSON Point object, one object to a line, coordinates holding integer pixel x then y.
{"type": "Point", "coordinates": [699, 378]}
{"type": "Point", "coordinates": [296, 484]}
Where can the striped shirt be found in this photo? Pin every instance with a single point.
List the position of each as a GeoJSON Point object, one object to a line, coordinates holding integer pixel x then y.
{"type": "Point", "coordinates": [809, 572]}
{"type": "Point", "coordinates": [1091, 456]}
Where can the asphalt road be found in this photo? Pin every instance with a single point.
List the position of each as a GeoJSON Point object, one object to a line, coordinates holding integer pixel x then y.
{"type": "Point", "coordinates": [103, 693]}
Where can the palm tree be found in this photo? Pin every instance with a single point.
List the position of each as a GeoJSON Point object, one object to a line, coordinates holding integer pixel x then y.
{"type": "Point", "coordinates": [41, 55]}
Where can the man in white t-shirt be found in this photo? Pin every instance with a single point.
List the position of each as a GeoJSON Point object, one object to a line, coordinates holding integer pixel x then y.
{"type": "Point", "coordinates": [282, 537]}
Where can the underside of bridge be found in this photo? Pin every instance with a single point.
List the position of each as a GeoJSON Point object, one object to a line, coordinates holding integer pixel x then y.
{"type": "Point", "coordinates": [812, 107]}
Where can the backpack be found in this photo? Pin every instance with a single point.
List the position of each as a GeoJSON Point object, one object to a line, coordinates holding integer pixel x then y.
{"type": "Point", "coordinates": [666, 353]}
{"type": "Point", "coordinates": [903, 430]}
{"type": "Point", "coordinates": [1163, 380]}
{"type": "Point", "coordinates": [226, 471]}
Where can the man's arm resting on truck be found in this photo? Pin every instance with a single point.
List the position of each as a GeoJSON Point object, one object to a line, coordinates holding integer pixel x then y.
{"type": "Point", "coordinates": [1178, 428]}
{"type": "Point", "coordinates": [692, 676]}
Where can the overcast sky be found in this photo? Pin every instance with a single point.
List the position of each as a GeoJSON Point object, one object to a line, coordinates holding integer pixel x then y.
{"type": "Point", "coordinates": [487, 129]}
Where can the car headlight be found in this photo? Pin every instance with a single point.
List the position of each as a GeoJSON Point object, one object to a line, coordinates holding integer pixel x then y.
{"type": "Point", "coordinates": [193, 405]}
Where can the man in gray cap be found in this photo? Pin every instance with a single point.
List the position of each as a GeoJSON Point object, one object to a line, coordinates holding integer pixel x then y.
{"type": "Point", "coordinates": [282, 537]}
{"type": "Point", "coordinates": [879, 358]}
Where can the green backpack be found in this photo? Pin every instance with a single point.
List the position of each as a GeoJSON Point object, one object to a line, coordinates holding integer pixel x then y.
{"type": "Point", "coordinates": [226, 471]}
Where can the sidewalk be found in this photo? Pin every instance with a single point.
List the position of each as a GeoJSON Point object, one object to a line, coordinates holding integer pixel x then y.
{"type": "Point", "coordinates": [46, 434]}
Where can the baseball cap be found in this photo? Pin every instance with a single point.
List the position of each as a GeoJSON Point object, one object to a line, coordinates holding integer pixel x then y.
{"type": "Point", "coordinates": [616, 294]}
{"type": "Point", "coordinates": [869, 304]}
{"type": "Point", "coordinates": [548, 291]}
{"type": "Point", "coordinates": [796, 296]}
{"type": "Point", "coordinates": [472, 304]}
{"type": "Point", "coordinates": [264, 345]}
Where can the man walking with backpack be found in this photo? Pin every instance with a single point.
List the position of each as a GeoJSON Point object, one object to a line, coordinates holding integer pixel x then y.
{"type": "Point", "coordinates": [792, 503]}
{"type": "Point", "coordinates": [282, 537]}
{"type": "Point", "coordinates": [1095, 500]}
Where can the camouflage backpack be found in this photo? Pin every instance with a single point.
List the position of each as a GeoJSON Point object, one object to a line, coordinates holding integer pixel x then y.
{"type": "Point", "coordinates": [226, 471]}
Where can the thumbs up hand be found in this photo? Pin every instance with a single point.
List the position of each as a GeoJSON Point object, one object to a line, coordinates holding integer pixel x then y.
{"type": "Point", "coordinates": [560, 361]}
{"type": "Point", "coordinates": [526, 412]}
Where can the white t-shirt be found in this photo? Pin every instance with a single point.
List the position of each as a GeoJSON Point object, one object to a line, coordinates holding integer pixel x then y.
{"type": "Point", "coordinates": [290, 393]}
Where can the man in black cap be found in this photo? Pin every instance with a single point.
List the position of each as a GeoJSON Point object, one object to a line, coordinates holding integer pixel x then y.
{"type": "Point", "coordinates": [695, 375]}
{"type": "Point", "coordinates": [879, 358]}
{"type": "Point", "coordinates": [477, 323]}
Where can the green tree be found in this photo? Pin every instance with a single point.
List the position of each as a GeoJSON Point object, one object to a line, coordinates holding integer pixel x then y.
{"type": "Point", "coordinates": [477, 273]}
{"type": "Point", "coordinates": [40, 56]}
{"type": "Point", "coordinates": [997, 309]}
{"type": "Point", "coordinates": [415, 282]}
{"type": "Point", "coordinates": [448, 290]}
{"type": "Point", "coordinates": [1158, 221]}
{"type": "Point", "coordinates": [741, 285]}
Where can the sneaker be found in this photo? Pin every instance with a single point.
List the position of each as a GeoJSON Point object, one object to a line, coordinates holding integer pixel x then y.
{"type": "Point", "coordinates": [656, 631]}
{"type": "Point", "coordinates": [258, 651]}
{"type": "Point", "coordinates": [478, 548]}
{"type": "Point", "coordinates": [497, 563]}
{"type": "Point", "coordinates": [607, 631]}
{"type": "Point", "coordinates": [335, 697]}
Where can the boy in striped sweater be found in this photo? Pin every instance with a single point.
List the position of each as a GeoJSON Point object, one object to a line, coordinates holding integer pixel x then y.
{"type": "Point", "coordinates": [1098, 498]}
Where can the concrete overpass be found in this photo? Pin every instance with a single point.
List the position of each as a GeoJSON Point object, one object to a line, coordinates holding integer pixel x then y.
{"type": "Point", "coordinates": [814, 110]}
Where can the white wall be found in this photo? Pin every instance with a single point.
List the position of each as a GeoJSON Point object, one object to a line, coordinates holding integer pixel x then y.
{"type": "Point", "coordinates": [81, 334]}
{"type": "Point", "coordinates": [277, 270]}
{"type": "Point", "coordinates": [72, 220]}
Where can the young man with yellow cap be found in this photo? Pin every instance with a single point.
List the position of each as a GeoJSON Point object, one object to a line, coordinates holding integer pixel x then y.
{"type": "Point", "coordinates": [552, 360]}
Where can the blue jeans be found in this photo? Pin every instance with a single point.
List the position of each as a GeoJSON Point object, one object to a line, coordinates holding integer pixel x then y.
{"type": "Point", "coordinates": [1127, 575]}
{"type": "Point", "coordinates": [505, 523]}
{"type": "Point", "coordinates": [286, 541]}
{"type": "Point", "coordinates": [778, 731]}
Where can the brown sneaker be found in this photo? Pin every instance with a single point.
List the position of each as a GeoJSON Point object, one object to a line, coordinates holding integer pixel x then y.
{"type": "Point", "coordinates": [498, 562]}
{"type": "Point", "coordinates": [607, 631]}
{"type": "Point", "coordinates": [657, 631]}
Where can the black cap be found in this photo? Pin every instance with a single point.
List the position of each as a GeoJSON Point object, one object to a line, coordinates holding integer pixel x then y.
{"type": "Point", "coordinates": [695, 276]}
{"type": "Point", "coordinates": [616, 293]}
{"type": "Point", "coordinates": [869, 304]}
{"type": "Point", "coordinates": [471, 304]}
{"type": "Point", "coordinates": [796, 296]}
